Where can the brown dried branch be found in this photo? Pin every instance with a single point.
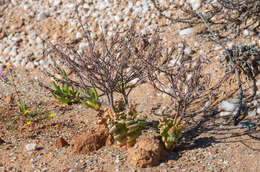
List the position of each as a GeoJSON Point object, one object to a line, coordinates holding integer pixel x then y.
{"type": "Point", "coordinates": [182, 80]}
{"type": "Point", "coordinates": [109, 65]}
{"type": "Point", "coordinates": [227, 18]}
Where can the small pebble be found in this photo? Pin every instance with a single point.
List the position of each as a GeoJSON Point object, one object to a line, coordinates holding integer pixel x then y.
{"type": "Point", "coordinates": [117, 161]}
{"type": "Point", "coordinates": [134, 81]}
{"type": "Point", "coordinates": [258, 110]}
{"type": "Point", "coordinates": [252, 114]}
{"type": "Point", "coordinates": [42, 15]}
{"type": "Point", "coordinates": [45, 169]}
{"type": "Point", "coordinates": [227, 106]}
{"type": "Point", "coordinates": [195, 4]}
{"type": "Point", "coordinates": [186, 31]}
{"type": "Point", "coordinates": [246, 32]}
{"type": "Point", "coordinates": [31, 147]}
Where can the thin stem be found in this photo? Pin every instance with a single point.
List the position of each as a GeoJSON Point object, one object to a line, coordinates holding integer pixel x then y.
{"type": "Point", "coordinates": [15, 88]}
{"type": "Point", "coordinates": [235, 122]}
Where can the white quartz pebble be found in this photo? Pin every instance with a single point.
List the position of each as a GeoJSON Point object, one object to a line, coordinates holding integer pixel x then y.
{"type": "Point", "coordinates": [31, 146]}
{"type": "Point", "coordinates": [186, 31]}
{"type": "Point", "coordinates": [227, 106]}
{"type": "Point", "coordinates": [195, 4]}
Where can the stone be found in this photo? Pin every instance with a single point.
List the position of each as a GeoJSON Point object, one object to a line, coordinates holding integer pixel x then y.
{"type": "Point", "coordinates": [88, 143]}
{"type": "Point", "coordinates": [146, 153]}
{"type": "Point", "coordinates": [9, 99]}
{"type": "Point", "coordinates": [195, 4]}
{"type": "Point", "coordinates": [252, 114]}
{"type": "Point", "coordinates": [42, 15]}
{"type": "Point", "coordinates": [258, 110]}
{"type": "Point", "coordinates": [134, 81]}
{"type": "Point", "coordinates": [246, 32]}
{"type": "Point", "coordinates": [258, 82]}
{"type": "Point", "coordinates": [60, 142]}
{"type": "Point", "coordinates": [186, 31]}
{"type": "Point", "coordinates": [45, 169]}
{"type": "Point", "coordinates": [6, 50]}
{"type": "Point", "coordinates": [13, 52]}
{"type": "Point", "coordinates": [31, 146]}
{"type": "Point", "coordinates": [83, 45]}
{"type": "Point", "coordinates": [227, 106]}
{"type": "Point", "coordinates": [224, 114]}
{"type": "Point", "coordinates": [78, 35]}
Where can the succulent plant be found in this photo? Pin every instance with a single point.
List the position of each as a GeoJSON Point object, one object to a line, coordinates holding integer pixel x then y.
{"type": "Point", "coordinates": [126, 131]}
{"type": "Point", "coordinates": [170, 132]}
{"type": "Point", "coordinates": [123, 125]}
{"type": "Point", "coordinates": [64, 94]}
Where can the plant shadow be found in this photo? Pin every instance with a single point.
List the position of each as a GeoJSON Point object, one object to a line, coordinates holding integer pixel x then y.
{"type": "Point", "coordinates": [217, 130]}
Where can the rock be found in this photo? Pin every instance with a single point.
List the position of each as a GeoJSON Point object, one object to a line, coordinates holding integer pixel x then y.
{"type": "Point", "coordinates": [258, 82]}
{"type": "Point", "coordinates": [83, 45]}
{"type": "Point", "coordinates": [13, 52]}
{"type": "Point", "coordinates": [89, 142]}
{"type": "Point", "coordinates": [60, 142]}
{"type": "Point", "coordinates": [9, 99]}
{"type": "Point", "coordinates": [258, 110]}
{"type": "Point", "coordinates": [186, 31]}
{"type": "Point", "coordinates": [31, 147]}
{"type": "Point", "coordinates": [78, 35]}
{"type": "Point", "coordinates": [134, 81]}
{"type": "Point", "coordinates": [246, 32]}
{"type": "Point", "coordinates": [252, 114]}
{"type": "Point", "coordinates": [6, 50]}
{"type": "Point", "coordinates": [234, 101]}
{"type": "Point", "coordinates": [45, 169]}
{"type": "Point", "coordinates": [195, 4]}
{"type": "Point", "coordinates": [227, 106]}
{"type": "Point", "coordinates": [224, 113]}
{"type": "Point", "coordinates": [146, 153]}
{"type": "Point", "coordinates": [42, 15]}
{"type": "Point", "coordinates": [187, 51]}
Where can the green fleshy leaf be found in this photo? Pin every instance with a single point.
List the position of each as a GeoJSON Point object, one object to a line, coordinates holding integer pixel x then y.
{"type": "Point", "coordinates": [54, 95]}
{"type": "Point", "coordinates": [86, 104]}
{"type": "Point", "coordinates": [65, 74]}
{"type": "Point", "coordinates": [56, 87]}
{"type": "Point", "coordinates": [66, 88]}
{"type": "Point", "coordinates": [95, 94]}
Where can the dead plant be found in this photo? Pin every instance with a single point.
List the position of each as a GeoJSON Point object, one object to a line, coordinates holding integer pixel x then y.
{"type": "Point", "coordinates": [228, 18]}
{"type": "Point", "coordinates": [111, 66]}
{"type": "Point", "coordinates": [180, 78]}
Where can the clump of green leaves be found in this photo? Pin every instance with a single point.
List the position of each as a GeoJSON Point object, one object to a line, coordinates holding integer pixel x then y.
{"type": "Point", "coordinates": [171, 132]}
{"type": "Point", "coordinates": [66, 93]}
{"type": "Point", "coordinates": [69, 94]}
{"type": "Point", "coordinates": [92, 99]}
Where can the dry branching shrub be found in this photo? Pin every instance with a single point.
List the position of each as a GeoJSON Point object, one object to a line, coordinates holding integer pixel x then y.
{"type": "Point", "coordinates": [110, 66]}
{"type": "Point", "coordinates": [247, 58]}
{"type": "Point", "coordinates": [180, 77]}
{"type": "Point", "coordinates": [226, 17]}
{"type": "Point", "coordinates": [220, 21]}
